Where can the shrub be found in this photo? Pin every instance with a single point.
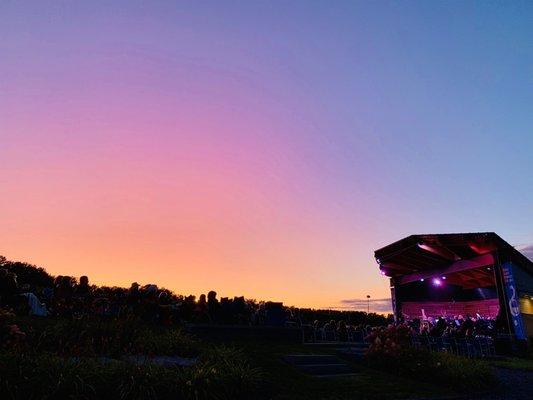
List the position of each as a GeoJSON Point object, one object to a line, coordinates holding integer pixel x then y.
{"type": "Point", "coordinates": [113, 338]}
{"type": "Point", "coordinates": [390, 351]}
{"type": "Point", "coordinates": [164, 341]}
{"type": "Point", "coordinates": [28, 273]}
{"type": "Point", "coordinates": [389, 340]}
{"type": "Point", "coordinates": [434, 367]}
{"type": "Point", "coordinates": [10, 334]}
{"type": "Point", "coordinates": [228, 371]}
{"type": "Point", "coordinates": [221, 374]}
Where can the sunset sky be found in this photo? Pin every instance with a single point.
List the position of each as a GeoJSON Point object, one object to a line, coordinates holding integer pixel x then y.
{"type": "Point", "coordinates": [257, 148]}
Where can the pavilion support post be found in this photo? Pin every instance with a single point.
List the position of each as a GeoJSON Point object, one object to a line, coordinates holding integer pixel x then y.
{"type": "Point", "coordinates": [396, 304]}
{"type": "Point", "coordinates": [500, 289]}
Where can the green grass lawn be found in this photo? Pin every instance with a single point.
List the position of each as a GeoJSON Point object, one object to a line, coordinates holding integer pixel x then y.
{"type": "Point", "coordinates": [282, 381]}
{"type": "Point", "coordinates": [515, 363]}
{"type": "Point", "coordinates": [63, 355]}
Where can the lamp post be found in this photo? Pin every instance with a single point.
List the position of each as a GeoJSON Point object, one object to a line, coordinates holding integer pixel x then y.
{"type": "Point", "coordinates": [368, 304]}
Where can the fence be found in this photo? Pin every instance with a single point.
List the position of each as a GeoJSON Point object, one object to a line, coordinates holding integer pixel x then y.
{"type": "Point", "coordinates": [478, 347]}
{"type": "Point", "coordinates": [311, 334]}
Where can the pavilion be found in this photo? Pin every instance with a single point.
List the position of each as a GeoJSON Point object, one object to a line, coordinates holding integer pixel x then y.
{"type": "Point", "coordinates": [476, 274]}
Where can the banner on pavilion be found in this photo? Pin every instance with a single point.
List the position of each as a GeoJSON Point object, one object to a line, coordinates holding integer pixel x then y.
{"type": "Point", "coordinates": [512, 300]}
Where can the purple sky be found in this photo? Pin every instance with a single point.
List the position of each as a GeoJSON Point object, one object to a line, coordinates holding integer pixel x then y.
{"type": "Point", "coordinates": [260, 148]}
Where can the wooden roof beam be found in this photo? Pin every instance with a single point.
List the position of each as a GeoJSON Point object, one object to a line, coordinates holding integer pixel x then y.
{"type": "Point", "coordinates": [458, 266]}
{"type": "Point", "coordinates": [439, 250]}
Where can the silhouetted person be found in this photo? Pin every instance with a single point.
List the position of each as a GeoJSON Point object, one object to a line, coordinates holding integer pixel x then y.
{"type": "Point", "coordinates": [150, 297]}
{"type": "Point", "coordinates": [64, 289]}
{"type": "Point", "coordinates": [467, 327]}
{"type": "Point", "coordinates": [3, 285]}
{"type": "Point", "coordinates": [342, 331]}
{"type": "Point", "coordinates": [133, 293]}
{"type": "Point", "coordinates": [202, 315]}
{"type": "Point", "coordinates": [8, 287]}
{"type": "Point", "coordinates": [83, 289]}
{"type": "Point", "coordinates": [164, 308]}
{"type": "Point", "coordinates": [201, 306]}
{"type": "Point", "coordinates": [239, 309]}
{"type": "Point", "coordinates": [438, 328]}
{"type": "Point", "coordinates": [213, 306]}
{"type": "Point", "coordinates": [133, 299]}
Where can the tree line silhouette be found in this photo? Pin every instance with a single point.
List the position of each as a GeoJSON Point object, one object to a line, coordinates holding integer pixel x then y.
{"type": "Point", "coordinates": [30, 290]}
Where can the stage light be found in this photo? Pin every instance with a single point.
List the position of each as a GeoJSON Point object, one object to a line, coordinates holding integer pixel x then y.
{"type": "Point", "coordinates": [444, 278]}
{"type": "Point", "coordinates": [421, 279]}
{"type": "Point", "coordinates": [437, 282]}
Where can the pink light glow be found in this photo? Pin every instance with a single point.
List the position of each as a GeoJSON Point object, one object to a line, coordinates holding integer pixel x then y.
{"type": "Point", "coordinates": [437, 282]}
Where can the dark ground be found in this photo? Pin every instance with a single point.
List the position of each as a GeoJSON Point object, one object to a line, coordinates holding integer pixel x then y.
{"type": "Point", "coordinates": [284, 381]}
{"type": "Point", "coordinates": [517, 384]}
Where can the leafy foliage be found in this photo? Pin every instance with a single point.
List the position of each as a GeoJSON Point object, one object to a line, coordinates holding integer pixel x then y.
{"type": "Point", "coordinates": [436, 367]}
{"type": "Point", "coordinates": [10, 334]}
{"type": "Point", "coordinates": [28, 273]}
{"type": "Point", "coordinates": [90, 337]}
{"type": "Point", "coordinates": [389, 340]}
{"type": "Point", "coordinates": [221, 374]}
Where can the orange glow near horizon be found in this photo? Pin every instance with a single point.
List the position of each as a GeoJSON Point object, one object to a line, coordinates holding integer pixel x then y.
{"type": "Point", "coordinates": [256, 148]}
{"type": "Point", "coordinates": [239, 221]}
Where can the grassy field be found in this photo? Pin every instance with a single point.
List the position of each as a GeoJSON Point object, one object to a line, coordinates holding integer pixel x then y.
{"type": "Point", "coordinates": [282, 381]}
{"type": "Point", "coordinates": [63, 359]}
{"type": "Point", "coordinates": [525, 364]}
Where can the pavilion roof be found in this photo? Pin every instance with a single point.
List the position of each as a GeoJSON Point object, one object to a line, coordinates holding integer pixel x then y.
{"type": "Point", "coordinates": [420, 254]}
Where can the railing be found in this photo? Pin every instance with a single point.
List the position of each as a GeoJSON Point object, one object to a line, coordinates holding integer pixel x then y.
{"type": "Point", "coordinates": [310, 334]}
{"type": "Point", "coordinates": [478, 347]}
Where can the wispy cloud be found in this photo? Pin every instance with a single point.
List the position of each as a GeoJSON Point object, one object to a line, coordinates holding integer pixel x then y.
{"type": "Point", "coordinates": [376, 305]}
{"type": "Point", "coordinates": [527, 251]}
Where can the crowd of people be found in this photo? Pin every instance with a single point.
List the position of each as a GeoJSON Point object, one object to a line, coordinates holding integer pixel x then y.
{"type": "Point", "coordinates": [338, 331]}
{"type": "Point", "coordinates": [467, 336]}
{"type": "Point", "coordinates": [454, 327]}
{"type": "Point", "coordinates": [457, 327]}
{"type": "Point", "coordinates": [29, 290]}
{"type": "Point", "coordinates": [66, 296]}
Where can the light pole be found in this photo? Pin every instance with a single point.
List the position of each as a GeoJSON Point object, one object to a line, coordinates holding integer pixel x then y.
{"type": "Point", "coordinates": [368, 304]}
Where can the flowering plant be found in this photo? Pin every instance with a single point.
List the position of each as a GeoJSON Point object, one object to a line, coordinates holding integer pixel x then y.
{"type": "Point", "coordinates": [389, 340]}
{"type": "Point", "coordinates": [10, 334]}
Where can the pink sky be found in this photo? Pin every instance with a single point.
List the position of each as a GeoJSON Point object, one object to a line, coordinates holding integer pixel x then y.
{"type": "Point", "coordinates": [258, 150]}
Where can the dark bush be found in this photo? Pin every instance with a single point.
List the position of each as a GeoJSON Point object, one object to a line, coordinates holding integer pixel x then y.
{"type": "Point", "coordinates": [90, 337]}
{"type": "Point", "coordinates": [390, 351]}
{"type": "Point", "coordinates": [434, 367]}
{"type": "Point", "coordinates": [28, 273]}
{"type": "Point", "coordinates": [220, 374]}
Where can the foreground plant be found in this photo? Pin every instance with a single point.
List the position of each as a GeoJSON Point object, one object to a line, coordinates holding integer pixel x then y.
{"type": "Point", "coordinates": [390, 351]}
{"type": "Point", "coordinates": [220, 374]}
